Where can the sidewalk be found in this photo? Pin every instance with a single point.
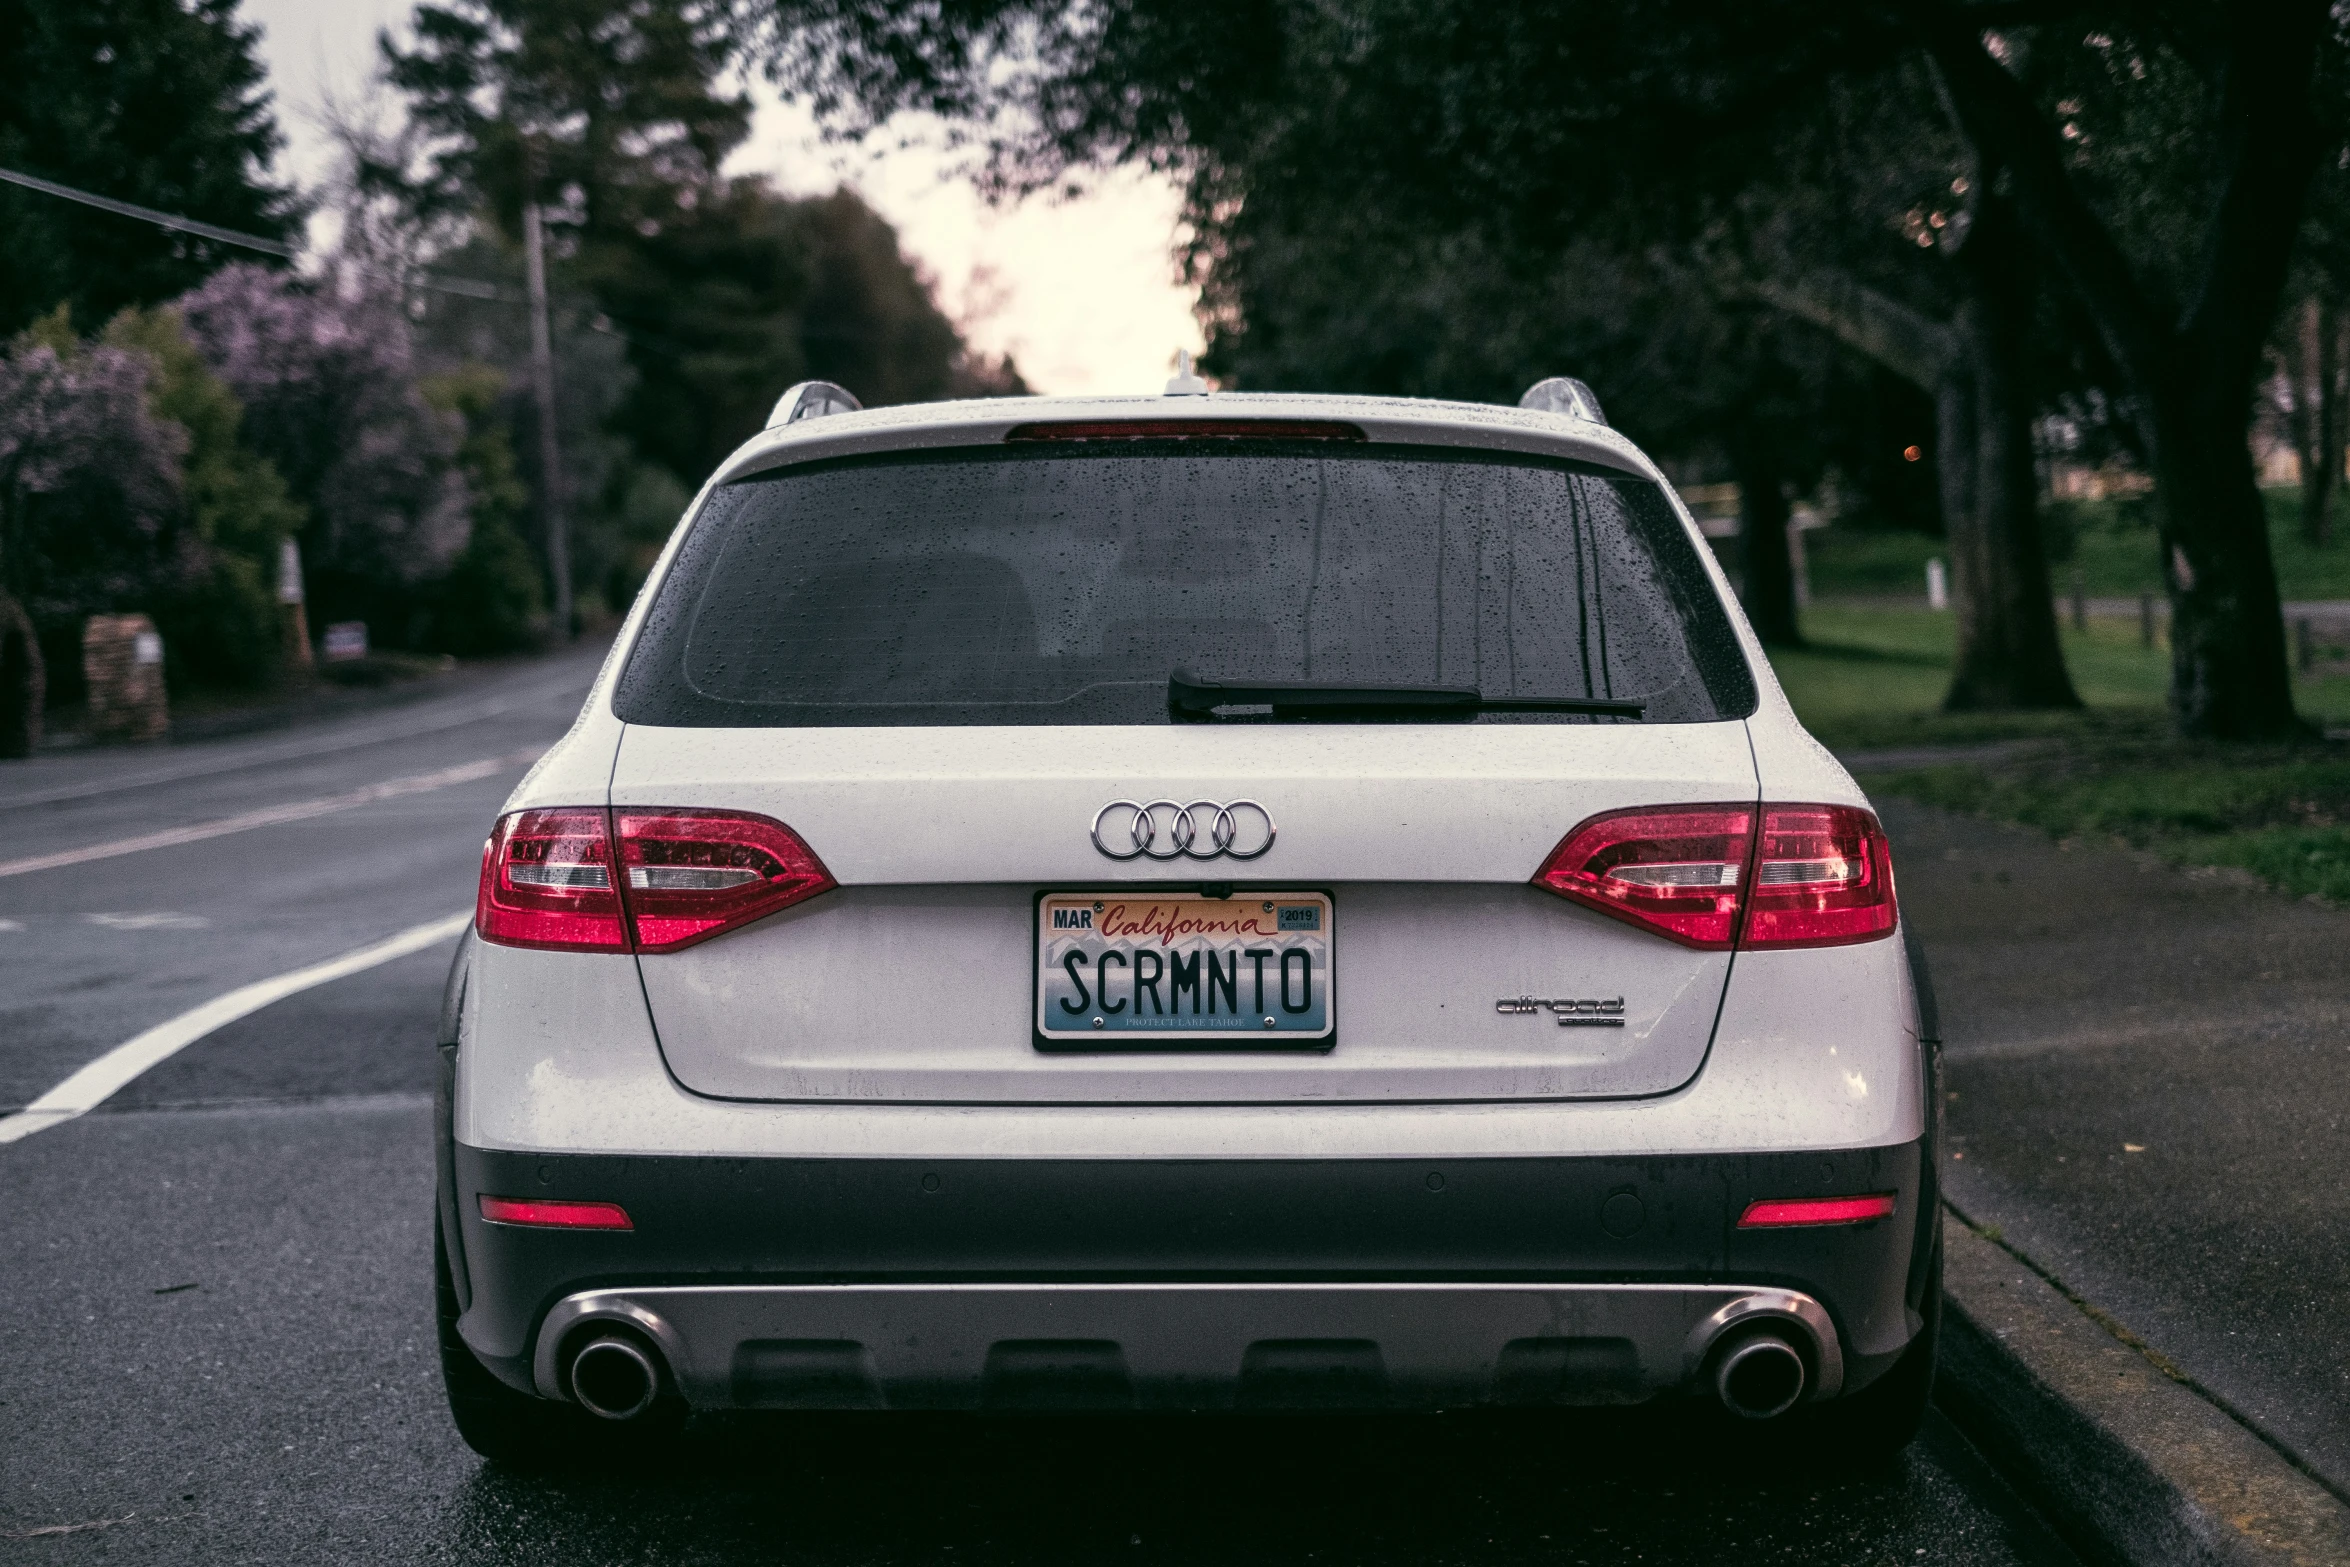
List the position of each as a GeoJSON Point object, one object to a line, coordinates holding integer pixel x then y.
{"type": "Point", "coordinates": [2149, 1096]}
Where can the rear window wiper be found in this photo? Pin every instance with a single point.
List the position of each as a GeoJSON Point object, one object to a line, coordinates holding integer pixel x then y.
{"type": "Point", "coordinates": [1191, 699]}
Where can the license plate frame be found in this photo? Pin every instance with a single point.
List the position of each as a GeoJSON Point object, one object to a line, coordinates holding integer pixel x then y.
{"type": "Point", "coordinates": [1120, 920]}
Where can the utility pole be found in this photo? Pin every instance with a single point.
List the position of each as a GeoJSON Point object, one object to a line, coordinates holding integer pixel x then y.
{"type": "Point", "coordinates": [542, 376]}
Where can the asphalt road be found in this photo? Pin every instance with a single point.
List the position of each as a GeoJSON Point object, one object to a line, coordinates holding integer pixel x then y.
{"type": "Point", "coordinates": [2149, 1073]}
{"type": "Point", "coordinates": [217, 1344]}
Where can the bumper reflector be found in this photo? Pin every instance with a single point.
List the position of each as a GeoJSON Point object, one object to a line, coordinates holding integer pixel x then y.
{"type": "Point", "coordinates": [541, 1214]}
{"type": "Point", "coordinates": [1789, 1212]}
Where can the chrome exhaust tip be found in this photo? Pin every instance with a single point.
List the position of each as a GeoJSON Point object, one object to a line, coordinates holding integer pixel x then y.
{"type": "Point", "coordinates": [614, 1377]}
{"type": "Point", "coordinates": [1761, 1377]}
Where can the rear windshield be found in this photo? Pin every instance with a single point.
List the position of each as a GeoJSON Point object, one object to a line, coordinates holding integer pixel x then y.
{"type": "Point", "coordinates": [1061, 583]}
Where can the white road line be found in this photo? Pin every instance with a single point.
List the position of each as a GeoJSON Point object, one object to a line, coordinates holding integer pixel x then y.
{"type": "Point", "coordinates": [94, 1084]}
{"type": "Point", "coordinates": [272, 815]}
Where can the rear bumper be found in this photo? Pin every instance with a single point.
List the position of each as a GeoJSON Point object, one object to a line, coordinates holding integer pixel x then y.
{"type": "Point", "coordinates": [1183, 1346]}
{"type": "Point", "coordinates": [1186, 1284]}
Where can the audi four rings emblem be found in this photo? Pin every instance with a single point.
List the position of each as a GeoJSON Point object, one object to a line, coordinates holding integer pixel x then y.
{"type": "Point", "coordinates": [1170, 829]}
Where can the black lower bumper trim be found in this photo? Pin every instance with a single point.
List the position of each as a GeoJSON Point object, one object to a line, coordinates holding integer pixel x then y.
{"type": "Point", "coordinates": [712, 1221]}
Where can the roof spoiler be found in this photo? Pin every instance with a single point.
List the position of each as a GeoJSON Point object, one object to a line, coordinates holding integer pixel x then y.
{"type": "Point", "coordinates": [813, 400]}
{"type": "Point", "coordinates": [1563, 394]}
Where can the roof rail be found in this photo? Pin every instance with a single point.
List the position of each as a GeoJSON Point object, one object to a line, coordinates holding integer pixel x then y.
{"type": "Point", "coordinates": [1186, 383]}
{"type": "Point", "coordinates": [813, 400]}
{"type": "Point", "coordinates": [1563, 394]}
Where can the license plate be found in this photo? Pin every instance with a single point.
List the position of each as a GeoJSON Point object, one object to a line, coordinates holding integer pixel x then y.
{"type": "Point", "coordinates": [1121, 970]}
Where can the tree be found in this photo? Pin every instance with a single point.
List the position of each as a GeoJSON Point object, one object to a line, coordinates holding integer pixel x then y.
{"type": "Point", "coordinates": [610, 114]}
{"type": "Point", "coordinates": [2310, 390]}
{"type": "Point", "coordinates": [1974, 367]}
{"type": "Point", "coordinates": [1660, 134]}
{"type": "Point", "coordinates": [1815, 202]}
{"type": "Point", "coordinates": [158, 102]}
{"type": "Point", "coordinates": [220, 622]}
{"type": "Point", "coordinates": [90, 486]}
{"type": "Point", "coordinates": [2311, 393]}
{"type": "Point", "coordinates": [710, 303]}
{"type": "Point", "coordinates": [1305, 286]}
{"type": "Point", "coordinates": [1879, 227]}
{"type": "Point", "coordinates": [236, 499]}
{"type": "Point", "coordinates": [871, 321]}
{"type": "Point", "coordinates": [329, 386]}
{"type": "Point", "coordinates": [490, 601]}
{"type": "Point", "coordinates": [605, 111]}
{"type": "Point", "coordinates": [458, 335]}
{"type": "Point", "coordinates": [2187, 336]}
{"type": "Point", "coordinates": [747, 291]}
{"type": "Point", "coordinates": [1641, 119]}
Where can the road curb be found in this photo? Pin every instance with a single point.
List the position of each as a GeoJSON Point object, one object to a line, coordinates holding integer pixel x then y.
{"type": "Point", "coordinates": [2133, 1465]}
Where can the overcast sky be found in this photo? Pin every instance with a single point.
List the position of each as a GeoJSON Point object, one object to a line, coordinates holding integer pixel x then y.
{"type": "Point", "coordinates": [1082, 293]}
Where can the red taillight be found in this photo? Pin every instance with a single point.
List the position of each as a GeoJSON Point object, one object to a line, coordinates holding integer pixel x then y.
{"type": "Point", "coordinates": [1675, 869]}
{"type": "Point", "coordinates": [1186, 430]}
{"type": "Point", "coordinates": [546, 881]}
{"type": "Point", "coordinates": [1791, 1212]}
{"type": "Point", "coordinates": [540, 1213]}
{"type": "Point", "coordinates": [692, 874]}
{"type": "Point", "coordinates": [685, 875]}
{"type": "Point", "coordinates": [1823, 876]}
{"type": "Point", "coordinates": [1820, 875]}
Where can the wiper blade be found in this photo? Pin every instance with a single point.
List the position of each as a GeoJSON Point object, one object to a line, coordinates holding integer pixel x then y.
{"type": "Point", "coordinates": [1189, 698]}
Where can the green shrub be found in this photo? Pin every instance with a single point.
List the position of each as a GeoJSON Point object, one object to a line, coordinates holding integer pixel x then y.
{"type": "Point", "coordinates": [490, 601]}
{"type": "Point", "coordinates": [236, 498]}
{"type": "Point", "coordinates": [651, 502]}
{"type": "Point", "coordinates": [222, 629]}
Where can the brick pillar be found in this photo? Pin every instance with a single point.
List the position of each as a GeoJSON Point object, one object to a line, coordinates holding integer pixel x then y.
{"type": "Point", "coordinates": [122, 664]}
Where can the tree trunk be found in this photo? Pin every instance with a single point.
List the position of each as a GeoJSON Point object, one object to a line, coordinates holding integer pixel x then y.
{"type": "Point", "coordinates": [2306, 355]}
{"type": "Point", "coordinates": [2323, 476]}
{"type": "Point", "coordinates": [2229, 678]}
{"type": "Point", "coordinates": [1764, 560]}
{"type": "Point", "coordinates": [1958, 474]}
{"type": "Point", "coordinates": [2009, 655]}
{"type": "Point", "coordinates": [2191, 379]}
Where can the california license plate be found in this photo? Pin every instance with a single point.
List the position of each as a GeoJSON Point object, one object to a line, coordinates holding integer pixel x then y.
{"type": "Point", "coordinates": [1170, 970]}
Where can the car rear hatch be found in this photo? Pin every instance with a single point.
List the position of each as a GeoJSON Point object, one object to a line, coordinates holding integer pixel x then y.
{"type": "Point", "coordinates": [945, 671]}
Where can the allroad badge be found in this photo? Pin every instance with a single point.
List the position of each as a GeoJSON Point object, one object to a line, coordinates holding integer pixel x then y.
{"type": "Point", "coordinates": [1571, 1012]}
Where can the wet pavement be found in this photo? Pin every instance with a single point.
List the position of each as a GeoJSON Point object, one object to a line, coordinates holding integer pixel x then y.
{"type": "Point", "coordinates": [2149, 1080]}
{"type": "Point", "coordinates": [219, 1339]}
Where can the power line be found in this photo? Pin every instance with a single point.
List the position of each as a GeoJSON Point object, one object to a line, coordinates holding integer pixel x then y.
{"type": "Point", "coordinates": [167, 220]}
{"type": "Point", "coordinates": [464, 287]}
{"type": "Point", "coordinates": [470, 288]}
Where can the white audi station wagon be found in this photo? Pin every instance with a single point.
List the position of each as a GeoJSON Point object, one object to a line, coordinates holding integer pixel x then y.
{"type": "Point", "coordinates": [1210, 902]}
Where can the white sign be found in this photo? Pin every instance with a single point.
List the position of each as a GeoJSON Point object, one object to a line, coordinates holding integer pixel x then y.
{"type": "Point", "coordinates": [1937, 584]}
{"type": "Point", "coordinates": [289, 572]}
{"type": "Point", "coordinates": [346, 639]}
{"type": "Point", "coordinates": [147, 648]}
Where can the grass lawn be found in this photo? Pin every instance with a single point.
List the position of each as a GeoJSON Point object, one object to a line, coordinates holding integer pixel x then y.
{"type": "Point", "coordinates": [1873, 677]}
{"type": "Point", "coordinates": [2113, 549]}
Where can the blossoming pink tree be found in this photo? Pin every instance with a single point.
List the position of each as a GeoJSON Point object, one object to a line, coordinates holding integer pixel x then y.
{"type": "Point", "coordinates": [89, 492]}
{"type": "Point", "coordinates": [328, 379]}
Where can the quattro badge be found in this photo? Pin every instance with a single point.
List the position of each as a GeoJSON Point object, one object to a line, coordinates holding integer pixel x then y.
{"type": "Point", "coordinates": [1571, 1012]}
